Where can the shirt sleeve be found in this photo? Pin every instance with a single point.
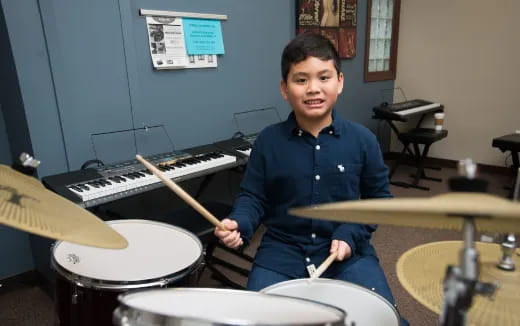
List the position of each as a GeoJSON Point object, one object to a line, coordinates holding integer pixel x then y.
{"type": "Point", "coordinates": [249, 207]}
{"type": "Point", "coordinates": [374, 175]}
{"type": "Point", "coordinates": [373, 184]}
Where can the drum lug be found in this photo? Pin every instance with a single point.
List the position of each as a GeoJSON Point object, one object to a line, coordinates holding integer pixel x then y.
{"type": "Point", "coordinates": [163, 283]}
{"type": "Point", "coordinates": [75, 295]}
{"type": "Point", "coordinates": [74, 298]}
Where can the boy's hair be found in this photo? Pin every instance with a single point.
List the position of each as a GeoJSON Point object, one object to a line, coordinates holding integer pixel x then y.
{"type": "Point", "coordinates": [308, 45]}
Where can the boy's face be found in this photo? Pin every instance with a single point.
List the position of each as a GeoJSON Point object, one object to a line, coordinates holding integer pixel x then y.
{"type": "Point", "coordinates": [312, 88]}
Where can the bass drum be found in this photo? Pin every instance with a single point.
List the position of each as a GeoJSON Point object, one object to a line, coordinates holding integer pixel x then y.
{"type": "Point", "coordinates": [90, 279]}
{"type": "Point", "coordinates": [362, 306]}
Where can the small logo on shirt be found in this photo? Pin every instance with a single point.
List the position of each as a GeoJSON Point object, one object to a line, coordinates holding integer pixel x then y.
{"type": "Point", "coordinates": [341, 168]}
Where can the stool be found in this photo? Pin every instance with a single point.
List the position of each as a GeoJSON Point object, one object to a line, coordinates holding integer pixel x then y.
{"type": "Point", "coordinates": [510, 143]}
{"type": "Point", "coordinates": [416, 137]}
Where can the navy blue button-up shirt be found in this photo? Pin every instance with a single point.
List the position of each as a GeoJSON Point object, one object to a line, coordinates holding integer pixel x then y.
{"type": "Point", "coordinates": [289, 167]}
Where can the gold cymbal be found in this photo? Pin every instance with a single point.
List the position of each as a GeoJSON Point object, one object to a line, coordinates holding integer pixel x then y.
{"type": "Point", "coordinates": [26, 205]}
{"type": "Point", "coordinates": [421, 272]}
{"type": "Point", "coordinates": [492, 213]}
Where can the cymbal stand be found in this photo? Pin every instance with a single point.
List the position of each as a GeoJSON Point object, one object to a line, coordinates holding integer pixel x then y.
{"type": "Point", "coordinates": [461, 282]}
{"type": "Point", "coordinates": [26, 164]}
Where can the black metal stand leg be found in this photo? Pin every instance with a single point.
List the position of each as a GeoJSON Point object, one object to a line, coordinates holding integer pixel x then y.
{"type": "Point", "coordinates": [204, 184]}
{"type": "Point", "coordinates": [398, 161]}
{"type": "Point", "coordinates": [419, 164]}
{"type": "Point", "coordinates": [212, 262]}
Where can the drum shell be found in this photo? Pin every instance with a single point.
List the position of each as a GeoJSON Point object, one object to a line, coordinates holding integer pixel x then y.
{"type": "Point", "coordinates": [361, 305]}
{"type": "Point", "coordinates": [82, 301]}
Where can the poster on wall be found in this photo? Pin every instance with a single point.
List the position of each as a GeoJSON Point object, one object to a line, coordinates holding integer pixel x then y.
{"type": "Point", "coordinates": [168, 46]}
{"type": "Point", "coordinates": [335, 19]}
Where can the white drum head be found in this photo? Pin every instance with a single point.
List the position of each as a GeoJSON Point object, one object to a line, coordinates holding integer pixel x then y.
{"type": "Point", "coordinates": [362, 306]}
{"type": "Point", "coordinates": [231, 307]}
{"type": "Point", "coordinates": [154, 250]}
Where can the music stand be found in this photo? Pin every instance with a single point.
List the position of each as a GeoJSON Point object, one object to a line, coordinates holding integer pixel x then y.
{"type": "Point", "coordinates": [250, 123]}
{"type": "Point", "coordinates": [147, 141]}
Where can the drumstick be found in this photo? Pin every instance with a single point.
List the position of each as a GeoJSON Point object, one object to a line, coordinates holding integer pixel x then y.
{"type": "Point", "coordinates": [183, 194]}
{"type": "Point", "coordinates": [323, 267]}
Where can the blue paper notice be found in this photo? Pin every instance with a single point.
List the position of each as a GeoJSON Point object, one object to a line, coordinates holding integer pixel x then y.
{"type": "Point", "coordinates": [203, 36]}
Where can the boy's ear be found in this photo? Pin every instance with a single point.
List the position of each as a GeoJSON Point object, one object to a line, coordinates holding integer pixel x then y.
{"type": "Point", "coordinates": [283, 89]}
{"type": "Point", "coordinates": [341, 78]}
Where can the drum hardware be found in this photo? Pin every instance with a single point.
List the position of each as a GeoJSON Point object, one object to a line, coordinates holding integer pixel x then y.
{"type": "Point", "coordinates": [465, 208]}
{"type": "Point", "coordinates": [163, 283]}
{"type": "Point", "coordinates": [74, 296]}
{"type": "Point", "coordinates": [28, 161]}
{"type": "Point", "coordinates": [26, 205]}
{"type": "Point", "coordinates": [508, 248]}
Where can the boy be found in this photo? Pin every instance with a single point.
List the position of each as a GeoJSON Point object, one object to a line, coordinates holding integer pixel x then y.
{"type": "Point", "coordinates": [311, 158]}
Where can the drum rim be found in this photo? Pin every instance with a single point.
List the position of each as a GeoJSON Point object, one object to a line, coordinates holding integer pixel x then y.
{"type": "Point", "coordinates": [148, 316]}
{"type": "Point", "coordinates": [336, 282]}
{"type": "Point", "coordinates": [95, 283]}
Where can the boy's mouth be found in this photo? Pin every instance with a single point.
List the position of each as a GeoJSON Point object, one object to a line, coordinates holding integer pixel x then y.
{"type": "Point", "coordinates": [314, 102]}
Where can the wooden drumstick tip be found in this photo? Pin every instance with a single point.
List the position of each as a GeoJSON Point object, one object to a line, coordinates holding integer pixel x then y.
{"type": "Point", "coordinates": [323, 267]}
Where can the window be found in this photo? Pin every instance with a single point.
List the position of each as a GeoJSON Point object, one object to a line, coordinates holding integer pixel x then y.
{"type": "Point", "coordinates": [381, 39]}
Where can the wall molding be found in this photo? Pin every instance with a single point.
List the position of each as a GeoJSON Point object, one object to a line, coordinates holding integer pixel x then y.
{"type": "Point", "coordinates": [447, 163]}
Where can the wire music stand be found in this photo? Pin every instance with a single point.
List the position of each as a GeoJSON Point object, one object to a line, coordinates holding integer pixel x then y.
{"type": "Point", "coordinates": [120, 145]}
{"type": "Point", "coordinates": [250, 123]}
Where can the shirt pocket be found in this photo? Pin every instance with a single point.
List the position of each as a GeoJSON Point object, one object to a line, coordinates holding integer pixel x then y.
{"type": "Point", "coordinates": [345, 179]}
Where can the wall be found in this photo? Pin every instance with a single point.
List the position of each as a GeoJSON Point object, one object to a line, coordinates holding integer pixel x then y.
{"type": "Point", "coordinates": [19, 260]}
{"type": "Point", "coordinates": [464, 54]}
{"type": "Point", "coordinates": [12, 261]}
{"type": "Point", "coordinates": [81, 68]}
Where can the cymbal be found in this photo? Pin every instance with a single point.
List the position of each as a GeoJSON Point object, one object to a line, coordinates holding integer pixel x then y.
{"type": "Point", "coordinates": [492, 213]}
{"type": "Point", "coordinates": [421, 272]}
{"type": "Point", "coordinates": [26, 205]}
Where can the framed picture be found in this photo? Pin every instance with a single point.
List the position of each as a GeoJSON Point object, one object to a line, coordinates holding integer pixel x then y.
{"type": "Point", "coordinates": [335, 19]}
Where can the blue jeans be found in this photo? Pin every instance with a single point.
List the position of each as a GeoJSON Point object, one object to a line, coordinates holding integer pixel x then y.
{"type": "Point", "coordinates": [365, 272]}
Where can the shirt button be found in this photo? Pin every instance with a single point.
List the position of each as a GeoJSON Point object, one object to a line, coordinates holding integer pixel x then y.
{"type": "Point", "coordinates": [313, 235]}
{"type": "Point", "coordinates": [317, 177]}
{"type": "Point", "coordinates": [318, 147]}
{"type": "Point", "coordinates": [308, 259]}
{"type": "Point", "coordinates": [331, 132]}
{"type": "Point", "coordinates": [300, 132]}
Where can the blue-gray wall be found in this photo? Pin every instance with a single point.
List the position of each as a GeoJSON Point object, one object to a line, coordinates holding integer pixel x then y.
{"type": "Point", "coordinates": [83, 67]}
{"type": "Point", "coordinates": [19, 260]}
{"type": "Point", "coordinates": [15, 251]}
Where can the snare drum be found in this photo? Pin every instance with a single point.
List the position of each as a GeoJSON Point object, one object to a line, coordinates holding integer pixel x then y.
{"type": "Point", "coordinates": [205, 307]}
{"type": "Point", "coordinates": [362, 306]}
{"type": "Point", "coordinates": [90, 279]}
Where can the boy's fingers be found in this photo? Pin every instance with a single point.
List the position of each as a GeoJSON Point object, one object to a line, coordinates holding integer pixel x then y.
{"type": "Point", "coordinates": [230, 224]}
{"type": "Point", "coordinates": [334, 246]}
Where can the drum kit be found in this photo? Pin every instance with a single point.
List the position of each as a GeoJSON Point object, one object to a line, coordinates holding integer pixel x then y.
{"type": "Point", "coordinates": [140, 272]}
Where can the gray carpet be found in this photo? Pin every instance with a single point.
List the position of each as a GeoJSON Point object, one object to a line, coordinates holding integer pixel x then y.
{"type": "Point", "coordinates": [24, 303]}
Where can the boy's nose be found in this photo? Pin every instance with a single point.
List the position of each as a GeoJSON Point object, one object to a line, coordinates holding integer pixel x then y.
{"type": "Point", "coordinates": [312, 87]}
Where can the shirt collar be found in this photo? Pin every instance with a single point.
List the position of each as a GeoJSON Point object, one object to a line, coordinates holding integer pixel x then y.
{"type": "Point", "coordinates": [292, 128]}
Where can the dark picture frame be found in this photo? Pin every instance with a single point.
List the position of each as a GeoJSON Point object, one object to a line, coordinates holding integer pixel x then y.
{"type": "Point", "coordinates": [335, 19]}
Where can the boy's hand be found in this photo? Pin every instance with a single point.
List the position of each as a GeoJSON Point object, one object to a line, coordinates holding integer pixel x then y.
{"type": "Point", "coordinates": [230, 238]}
{"type": "Point", "coordinates": [343, 249]}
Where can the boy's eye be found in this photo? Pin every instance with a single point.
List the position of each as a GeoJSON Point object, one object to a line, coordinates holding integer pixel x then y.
{"type": "Point", "coordinates": [324, 77]}
{"type": "Point", "coordinates": [301, 80]}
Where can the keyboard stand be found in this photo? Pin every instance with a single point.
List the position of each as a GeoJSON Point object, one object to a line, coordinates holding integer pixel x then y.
{"type": "Point", "coordinates": [416, 137]}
